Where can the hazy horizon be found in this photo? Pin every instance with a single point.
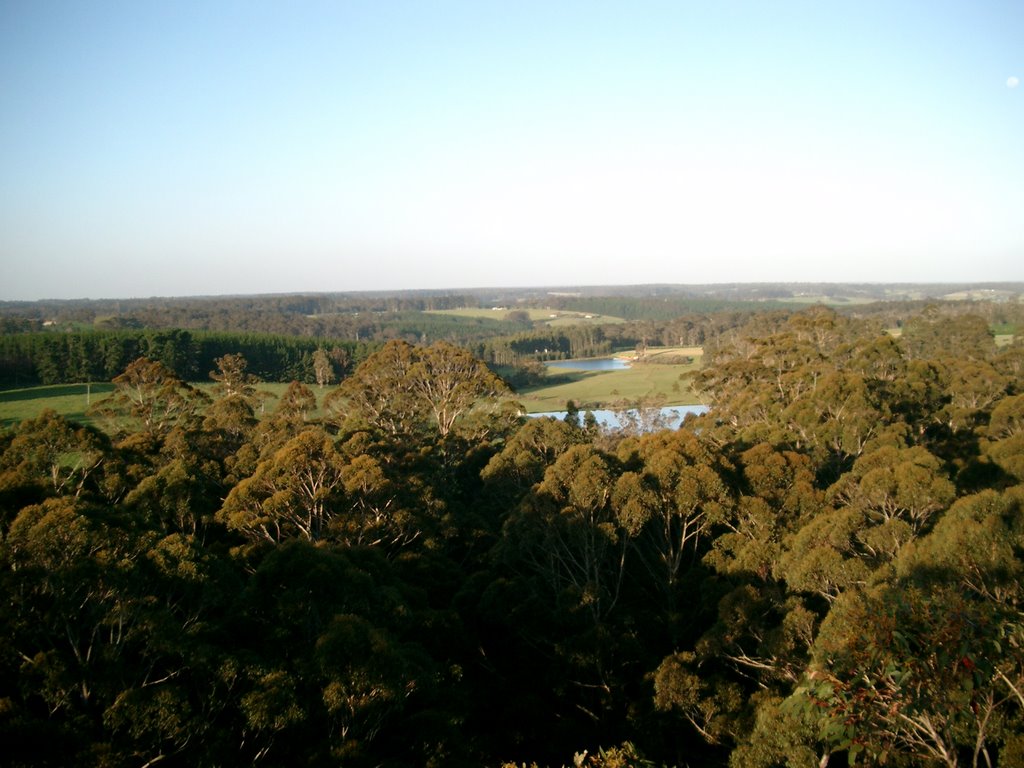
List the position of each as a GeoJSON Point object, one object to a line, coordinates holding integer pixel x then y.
{"type": "Point", "coordinates": [239, 148]}
{"type": "Point", "coordinates": [665, 290]}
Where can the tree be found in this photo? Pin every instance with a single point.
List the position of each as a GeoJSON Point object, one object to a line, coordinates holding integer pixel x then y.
{"type": "Point", "coordinates": [448, 380]}
{"type": "Point", "coordinates": [931, 334]}
{"type": "Point", "coordinates": [311, 489]}
{"type": "Point", "coordinates": [290, 416]}
{"type": "Point", "coordinates": [835, 417]}
{"type": "Point", "coordinates": [931, 662]}
{"type": "Point", "coordinates": [292, 492]}
{"type": "Point", "coordinates": [76, 620]}
{"type": "Point", "coordinates": [975, 546]}
{"type": "Point", "coordinates": [179, 495]}
{"type": "Point", "coordinates": [323, 367]}
{"type": "Point", "coordinates": [912, 672]}
{"type": "Point", "coordinates": [583, 551]}
{"type": "Point", "coordinates": [678, 688]}
{"type": "Point", "coordinates": [377, 392]}
{"type": "Point", "coordinates": [149, 395]}
{"type": "Point", "coordinates": [1007, 419]}
{"type": "Point", "coordinates": [367, 677]}
{"type": "Point", "coordinates": [296, 404]}
{"type": "Point", "coordinates": [526, 456]}
{"type": "Point", "coordinates": [1005, 443]}
{"type": "Point", "coordinates": [895, 483]}
{"type": "Point", "coordinates": [889, 497]}
{"type": "Point", "coordinates": [974, 386]}
{"type": "Point", "coordinates": [569, 553]}
{"type": "Point", "coordinates": [232, 377]}
{"type": "Point", "coordinates": [403, 389]}
{"type": "Point", "coordinates": [371, 513]}
{"type": "Point", "coordinates": [825, 557]}
{"type": "Point", "coordinates": [51, 452]}
{"type": "Point", "coordinates": [230, 422]}
{"type": "Point", "coordinates": [777, 498]}
{"type": "Point", "coordinates": [673, 498]}
{"type": "Point", "coordinates": [333, 668]}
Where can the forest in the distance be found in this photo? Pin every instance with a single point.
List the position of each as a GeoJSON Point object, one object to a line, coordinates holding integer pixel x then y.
{"type": "Point", "coordinates": [824, 570]}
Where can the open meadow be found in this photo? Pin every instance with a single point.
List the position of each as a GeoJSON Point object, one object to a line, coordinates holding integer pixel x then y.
{"type": "Point", "coordinates": [69, 400]}
{"type": "Point", "coordinates": [553, 317]}
{"type": "Point", "coordinates": [653, 380]}
{"type": "Point", "coordinates": [72, 401]}
{"type": "Point", "coordinates": [667, 383]}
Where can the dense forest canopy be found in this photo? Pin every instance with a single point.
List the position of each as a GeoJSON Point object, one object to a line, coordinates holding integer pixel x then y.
{"type": "Point", "coordinates": [823, 570]}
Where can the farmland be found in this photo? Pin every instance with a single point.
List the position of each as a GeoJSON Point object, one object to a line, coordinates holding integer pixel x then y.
{"type": "Point", "coordinates": [543, 315]}
{"type": "Point", "coordinates": [69, 400]}
{"type": "Point", "coordinates": [667, 384]}
{"type": "Point", "coordinates": [72, 401]}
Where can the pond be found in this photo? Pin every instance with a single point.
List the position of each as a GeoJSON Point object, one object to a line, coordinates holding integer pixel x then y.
{"type": "Point", "coordinates": [594, 364]}
{"type": "Point", "coordinates": [669, 417]}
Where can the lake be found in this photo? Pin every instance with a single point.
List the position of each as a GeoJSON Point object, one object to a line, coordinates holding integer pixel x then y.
{"type": "Point", "coordinates": [671, 415]}
{"type": "Point", "coordinates": [595, 364]}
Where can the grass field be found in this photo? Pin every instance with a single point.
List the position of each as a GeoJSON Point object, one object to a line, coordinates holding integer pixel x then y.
{"type": "Point", "coordinates": [833, 301]}
{"type": "Point", "coordinates": [589, 389]}
{"type": "Point", "coordinates": [69, 400]}
{"type": "Point", "coordinates": [72, 400]}
{"type": "Point", "coordinates": [553, 317]}
{"type": "Point", "coordinates": [665, 354]}
{"type": "Point", "coordinates": [593, 389]}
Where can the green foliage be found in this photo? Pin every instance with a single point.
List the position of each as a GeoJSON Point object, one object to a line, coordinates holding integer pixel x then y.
{"type": "Point", "coordinates": [526, 456]}
{"type": "Point", "coordinates": [59, 358]}
{"type": "Point", "coordinates": [402, 390]}
{"type": "Point", "coordinates": [149, 394]}
{"type": "Point", "coordinates": [918, 673]}
{"type": "Point", "coordinates": [931, 334]}
{"type": "Point", "coordinates": [825, 569]}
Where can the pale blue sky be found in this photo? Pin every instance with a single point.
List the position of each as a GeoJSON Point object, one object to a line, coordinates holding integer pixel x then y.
{"type": "Point", "coordinates": [176, 148]}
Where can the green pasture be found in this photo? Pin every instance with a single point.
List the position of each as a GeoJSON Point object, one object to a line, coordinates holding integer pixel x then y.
{"type": "Point", "coordinates": [69, 400]}
{"type": "Point", "coordinates": [832, 301]}
{"type": "Point", "coordinates": [553, 317]}
{"type": "Point", "coordinates": [667, 354]}
{"type": "Point", "coordinates": [587, 388]}
{"type": "Point", "coordinates": [662, 375]}
{"type": "Point", "coordinates": [72, 400]}
{"type": "Point", "coordinates": [593, 389]}
{"type": "Point", "coordinates": [579, 318]}
{"type": "Point", "coordinates": [472, 312]}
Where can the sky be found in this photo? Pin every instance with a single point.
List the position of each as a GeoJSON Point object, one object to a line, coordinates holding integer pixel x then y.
{"type": "Point", "coordinates": [152, 148]}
